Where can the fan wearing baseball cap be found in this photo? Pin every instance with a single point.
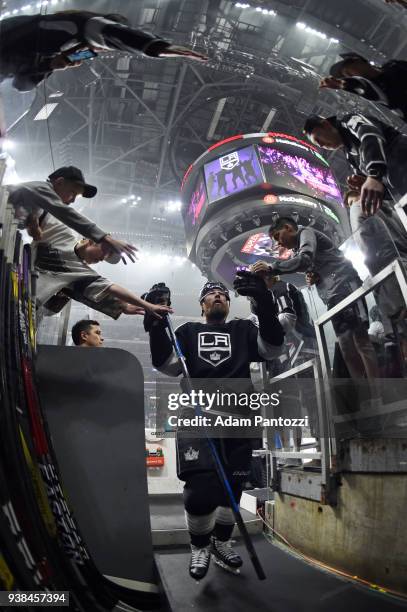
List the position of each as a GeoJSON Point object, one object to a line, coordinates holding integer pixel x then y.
{"type": "Point", "coordinates": [64, 272]}
{"type": "Point", "coordinates": [35, 201]}
{"type": "Point", "coordinates": [74, 175]}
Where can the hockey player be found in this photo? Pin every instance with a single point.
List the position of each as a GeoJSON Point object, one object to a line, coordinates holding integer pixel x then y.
{"type": "Point", "coordinates": [209, 517]}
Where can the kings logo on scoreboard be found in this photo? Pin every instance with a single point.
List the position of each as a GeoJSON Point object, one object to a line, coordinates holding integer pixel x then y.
{"type": "Point", "coordinates": [228, 162]}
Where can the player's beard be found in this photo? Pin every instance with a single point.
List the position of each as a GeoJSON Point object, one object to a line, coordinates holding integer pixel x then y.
{"type": "Point", "coordinates": [217, 313]}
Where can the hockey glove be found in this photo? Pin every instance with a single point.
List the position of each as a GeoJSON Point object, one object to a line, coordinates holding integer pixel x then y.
{"type": "Point", "coordinates": [249, 284]}
{"type": "Point", "coordinates": [253, 286]}
{"type": "Point", "coordinates": [158, 294]}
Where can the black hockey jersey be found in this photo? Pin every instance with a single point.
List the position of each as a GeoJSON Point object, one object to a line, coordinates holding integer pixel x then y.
{"type": "Point", "coordinates": [219, 351]}
{"type": "Point", "coordinates": [222, 351]}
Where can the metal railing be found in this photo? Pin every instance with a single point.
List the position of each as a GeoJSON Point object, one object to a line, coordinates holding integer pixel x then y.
{"type": "Point", "coordinates": [320, 370]}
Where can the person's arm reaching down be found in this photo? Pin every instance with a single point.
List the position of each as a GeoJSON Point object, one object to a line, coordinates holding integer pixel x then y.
{"type": "Point", "coordinates": [303, 260]}
{"type": "Point", "coordinates": [372, 153]}
{"type": "Point", "coordinates": [129, 309]}
{"type": "Point", "coordinates": [102, 33]}
{"type": "Point", "coordinates": [124, 295]}
{"type": "Point", "coordinates": [37, 196]}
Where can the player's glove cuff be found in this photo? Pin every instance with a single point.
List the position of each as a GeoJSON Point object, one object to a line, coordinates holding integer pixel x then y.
{"type": "Point", "coordinates": [264, 304]}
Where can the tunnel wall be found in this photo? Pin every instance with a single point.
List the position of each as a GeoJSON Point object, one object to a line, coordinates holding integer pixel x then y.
{"type": "Point", "coordinates": [364, 535]}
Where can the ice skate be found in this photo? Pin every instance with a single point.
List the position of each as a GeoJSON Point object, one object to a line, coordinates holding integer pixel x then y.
{"type": "Point", "coordinates": [224, 555]}
{"type": "Point", "coordinates": [200, 559]}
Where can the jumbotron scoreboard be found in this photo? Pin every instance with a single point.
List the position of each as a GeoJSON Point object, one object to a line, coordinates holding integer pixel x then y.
{"type": "Point", "coordinates": [234, 191]}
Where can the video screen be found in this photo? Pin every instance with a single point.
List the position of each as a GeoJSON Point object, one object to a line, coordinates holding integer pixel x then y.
{"type": "Point", "coordinates": [262, 246]}
{"type": "Point", "coordinates": [232, 173]}
{"type": "Point", "coordinates": [194, 212]}
{"type": "Point", "coordinates": [297, 173]}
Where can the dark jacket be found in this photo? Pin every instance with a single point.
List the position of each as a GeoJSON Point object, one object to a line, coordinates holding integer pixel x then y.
{"type": "Point", "coordinates": [315, 252]}
{"type": "Point", "coordinates": [366, 143]}
{"type": "Point", "coordinates": [28, 43]}
{"type": "Point", "coordinates": [388, 89]}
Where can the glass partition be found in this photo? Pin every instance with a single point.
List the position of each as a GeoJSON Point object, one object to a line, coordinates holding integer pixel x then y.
{"type": "Point", "coordinates": [365, 377]}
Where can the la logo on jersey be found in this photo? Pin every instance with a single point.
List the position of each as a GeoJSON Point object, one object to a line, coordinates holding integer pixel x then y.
{"type": "Point", "coordinates": [214, 347]}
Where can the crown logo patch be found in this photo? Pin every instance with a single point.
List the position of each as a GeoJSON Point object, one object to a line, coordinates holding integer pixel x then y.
{"type": "Point", "coordinates": [191, 454]}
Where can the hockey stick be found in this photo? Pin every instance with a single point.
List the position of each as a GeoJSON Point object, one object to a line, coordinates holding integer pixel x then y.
{"type": "Point", "coordinates": [218, 463]}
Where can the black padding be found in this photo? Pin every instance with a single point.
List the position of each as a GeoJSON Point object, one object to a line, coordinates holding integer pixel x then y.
{"type": "Point", "coordinates": [93, 400]}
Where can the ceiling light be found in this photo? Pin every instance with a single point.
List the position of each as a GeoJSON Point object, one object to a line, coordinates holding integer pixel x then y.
{"type": "Point", "coordinates": [45, 112]}
{"type": "Point", "coordinates": [303, 26]}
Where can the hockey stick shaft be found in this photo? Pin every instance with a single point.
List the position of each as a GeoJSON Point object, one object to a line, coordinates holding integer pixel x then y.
{"type": "Point", "coordinates": [218, 464]}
